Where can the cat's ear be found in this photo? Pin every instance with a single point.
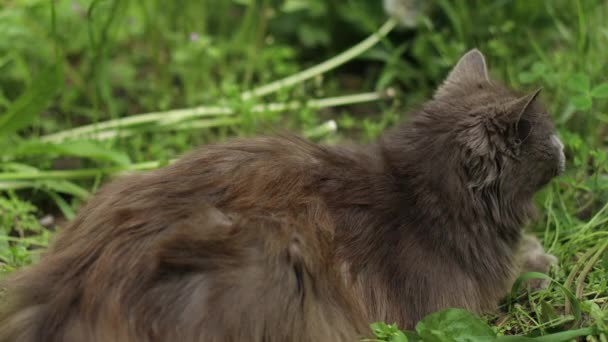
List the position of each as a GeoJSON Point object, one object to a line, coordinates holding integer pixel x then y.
{"type": "Point", "coordinates": [517, 115]}
{"type": "Point", "coordinates": [470, 69]}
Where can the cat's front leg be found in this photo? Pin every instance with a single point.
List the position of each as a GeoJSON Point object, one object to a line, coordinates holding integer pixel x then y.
{"type": "Point", "coordinates": [533, 258]}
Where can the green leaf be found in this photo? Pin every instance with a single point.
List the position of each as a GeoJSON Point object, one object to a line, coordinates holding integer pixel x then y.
{"type": "Point", "coordinates": [600, 91]}
{"type": "Point", "coordinates": [28, 106]}
{"type": "Point", "coordinates": [18, 167]}
{"type": "Point", "coordinates": [63, 186]}
{"type": "Point", "coordinates": [548, 312]}
{"type": "Point", "coordinates": [242, 2]}
{"type": "Point", "coordinates": [512, 339]}
{"type": "Point", "coordinates": [78, 148]}
{"type": "Point", "coordinates": [389, 333]}
{"type": "Point", "coordinates": [412, 336]}
{"type": "Point", "coordinates": [579, 83]}
{"type": "Point", "coordinates": [379, 328]}
{"type": "Point", "coordinates": [454, 325]}
{"type": "Point", "coordinates": [539, 68]}
{"type": "Point", "coordinates": [399, 337]}
{"type": "Point", "coordinates": [604, 261]}
{"type": "Point", "coordinates": [527, 77]}
{"type": "Point", "coordinates": [312, 35]}
{"type": "Point", "coordinates": [563, 336]}
{"type": "Point", "coordinates": [294, 6]}
{"type": "Point", "coordinates": [458, 325]}
{"type": "Point", "coordinates": [582, 102]}
{"type": "Point", "coordinates": [65, 208]}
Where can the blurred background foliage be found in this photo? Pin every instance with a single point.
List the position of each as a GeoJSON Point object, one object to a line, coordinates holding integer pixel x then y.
{"type": "Point", "coordinates": [68, 63]}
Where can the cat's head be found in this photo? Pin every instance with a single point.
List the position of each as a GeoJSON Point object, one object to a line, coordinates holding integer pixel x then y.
{"type": "Point", "coordinates": [486, 134]}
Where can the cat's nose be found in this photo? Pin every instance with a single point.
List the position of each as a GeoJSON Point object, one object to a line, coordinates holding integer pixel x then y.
{"type": "Point", "coordinates": [560, 153]}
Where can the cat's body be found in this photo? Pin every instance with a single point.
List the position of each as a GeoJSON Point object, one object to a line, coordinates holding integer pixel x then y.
{"type": "Point", "coordinates": [279, 239]}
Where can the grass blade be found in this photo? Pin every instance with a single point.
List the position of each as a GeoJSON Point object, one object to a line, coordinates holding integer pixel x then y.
{"type": "Point", "coordinates": [536, 275]}
{"type": "Point", "coordinates": [28, 106]}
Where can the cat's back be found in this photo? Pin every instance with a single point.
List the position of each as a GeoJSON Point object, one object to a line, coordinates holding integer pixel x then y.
{"type": "Point", "coordinates": [237, 226]}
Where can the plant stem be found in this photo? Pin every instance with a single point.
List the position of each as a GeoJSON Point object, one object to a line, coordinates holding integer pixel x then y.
{"type": "Point", "coordinates": [177, 125]}
{"type": "Point", "coordinates": [564, 335]}
{"type": "Point", "coordinates": [21, 180]}
{"type": "Point", "coordinates": [203, 111]}
{"type": "Point", "coordinates": [81, 173]}
{"type": "Point", "coordinates": [326, 128]}
{"type": "Point", "coordinates": [136, 120]}
{"type": "Point", "coordinates": [330, 64]}
{"type": "Point", "coordinates": [180, 115]}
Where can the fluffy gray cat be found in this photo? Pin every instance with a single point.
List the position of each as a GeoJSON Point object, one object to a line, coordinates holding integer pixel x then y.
{"type": "Point", "coordinates": [279, 239]}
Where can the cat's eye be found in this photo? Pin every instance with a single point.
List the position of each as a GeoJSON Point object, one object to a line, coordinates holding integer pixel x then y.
{"type": "Point", "coordinates": [522, 131]}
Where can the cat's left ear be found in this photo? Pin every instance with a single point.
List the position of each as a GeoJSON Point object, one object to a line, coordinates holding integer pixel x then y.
{"type": "Point", "coordinates": [517, 116]}
{"type": "Point", "coordinates": [470, 69]}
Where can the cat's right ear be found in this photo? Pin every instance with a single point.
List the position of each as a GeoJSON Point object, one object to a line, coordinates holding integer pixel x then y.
{"type": "Point", "coordinates": [470, 69]}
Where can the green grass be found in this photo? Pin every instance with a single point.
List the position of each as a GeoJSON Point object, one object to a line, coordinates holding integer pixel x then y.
{"type": "Point", "coordinates": [90, 89]}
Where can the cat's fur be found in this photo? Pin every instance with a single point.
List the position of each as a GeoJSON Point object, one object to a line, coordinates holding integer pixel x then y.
{"type": "Point", "coordinates": [279, 239]}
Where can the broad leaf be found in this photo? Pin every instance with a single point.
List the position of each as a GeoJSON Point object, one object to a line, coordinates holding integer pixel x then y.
{"type": "Point", "coordinates": [579, 83]}
{"type": "Point", "coordinates": [582, 102]}
{"type": "Point", "coordinates": [600, 91]}
{"type": "Point", "coordinates": [454, 325]}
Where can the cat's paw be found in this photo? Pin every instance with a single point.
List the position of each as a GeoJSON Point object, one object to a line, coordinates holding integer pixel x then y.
{"type": "Point", "coordinates": [533, 258]}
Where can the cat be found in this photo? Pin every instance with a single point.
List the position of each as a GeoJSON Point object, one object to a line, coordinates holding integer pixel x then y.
{"type": "Point", "coordinates": [279, 239]}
